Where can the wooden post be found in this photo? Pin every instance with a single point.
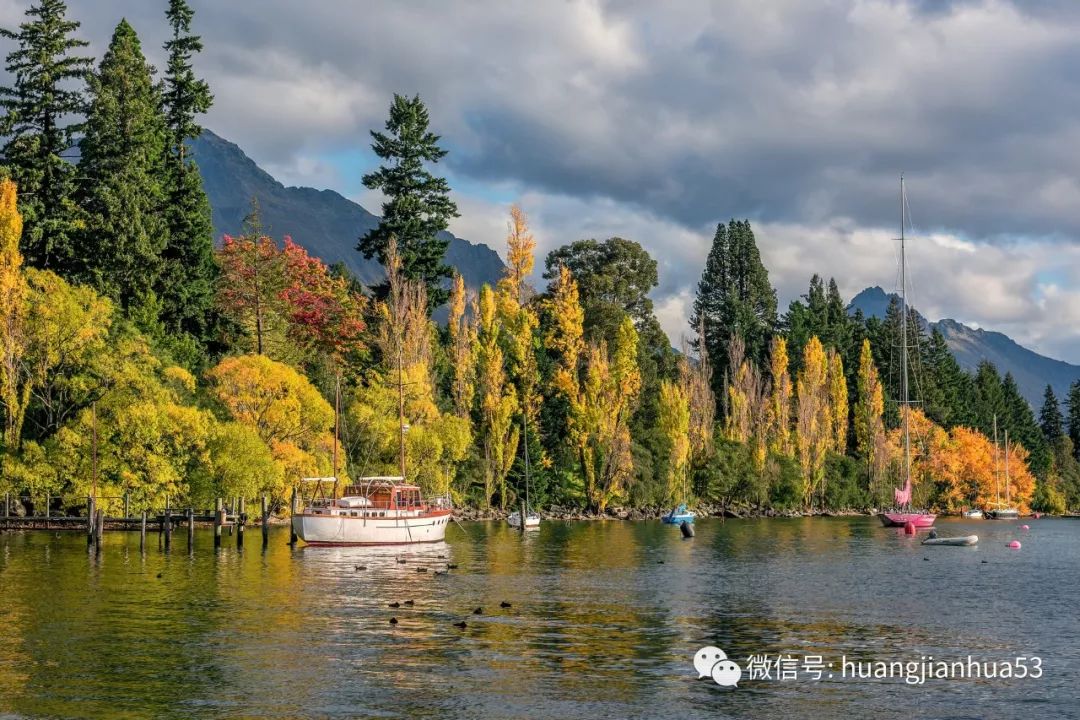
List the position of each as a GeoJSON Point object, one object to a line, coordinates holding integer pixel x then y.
{"type": "Point", "coordinates": [190, 529]}
{"type": "Point", "coordinates": [90, 511]}
{"type": "Point", "coordinates": [292, 514]}
{"type": "Point", "coordinates": [241, 520]}
{"type": "Point", "coordinates": [218, 512]}
{"type": "Point", "coordinates": [265, 521]}
{"type": "Point", "coordinates": [99, 528]}
{"type": "Point", "coordinates": [7, 504]}
{"type": "Point", "coordinates": [166, 524]}
{"type": "Point", "coordinates": [142, 533]}
{"type": "Point", "coordinates": [127, 506]}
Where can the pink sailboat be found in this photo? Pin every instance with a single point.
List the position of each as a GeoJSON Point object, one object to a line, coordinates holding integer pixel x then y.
{"type": "Point", "coordinates": [903, 515]}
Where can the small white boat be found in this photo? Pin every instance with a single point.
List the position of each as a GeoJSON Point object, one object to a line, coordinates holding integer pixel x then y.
{"type": "Point", "coordinates": [972, 514]}
{"type": "Point", "coordinates": [532, 520]}
{"type": "Point", "coordinates": [963, 540]}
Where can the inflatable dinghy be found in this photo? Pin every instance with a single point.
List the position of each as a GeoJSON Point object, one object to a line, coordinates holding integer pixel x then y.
{"type": "Point", "coordinates": [965, 540]}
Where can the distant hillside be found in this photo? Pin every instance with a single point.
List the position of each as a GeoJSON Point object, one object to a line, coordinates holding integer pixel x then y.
{"type": "Point", "coordinates": [323, 221]}
{"type": "Point", "coordinates": [1033, 372]}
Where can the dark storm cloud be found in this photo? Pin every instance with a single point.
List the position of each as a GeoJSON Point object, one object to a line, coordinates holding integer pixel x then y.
{"type": "Point", "coordinates": [655, 120]}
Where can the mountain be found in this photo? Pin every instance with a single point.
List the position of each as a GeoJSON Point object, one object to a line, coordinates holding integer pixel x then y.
{"type": "Point", "coordinates": [970, 346]}
{"type": "Point", "coordinates": [326, 223]}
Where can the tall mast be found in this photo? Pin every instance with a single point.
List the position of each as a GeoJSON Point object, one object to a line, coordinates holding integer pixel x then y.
{"type": "Point", "coordinates": [337, 424]}
{"type": "Point", "coordinates": [997, 470]}
{"type": "Point", "coordinates": [401, 410]}
{"type": "Point", "coordinates": [903, 341]}
{"type": "Point", "coordinates": [1006, 467]}
{"type": "Point", "coordinates": [525, 426]}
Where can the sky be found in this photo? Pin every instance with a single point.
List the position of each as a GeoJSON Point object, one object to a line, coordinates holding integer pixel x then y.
{"type": "Point", "coordinates": [654, 121]}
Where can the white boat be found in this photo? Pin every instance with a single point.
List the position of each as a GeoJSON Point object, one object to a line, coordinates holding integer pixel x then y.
{"type": "Point", "coordinates": [962, 540]}
{"type": "Point", "coordinates": [378, 511]}
{"type": "Point", "coordinates": [1002, 510]}
{"type": "Point", "coordinates": [972, 514]}
{"type": "Point", "coordinates": [532, 520]}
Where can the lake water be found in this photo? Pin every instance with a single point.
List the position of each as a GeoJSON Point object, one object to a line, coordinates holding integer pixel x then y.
{"type": "Point", "coordinates": [598, 626]}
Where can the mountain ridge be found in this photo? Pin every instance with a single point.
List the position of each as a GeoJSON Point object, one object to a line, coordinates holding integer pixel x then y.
{"type": "Point", "coordinates": [325, 222]}
{"type": "Point", "coordinates": [970, 346]}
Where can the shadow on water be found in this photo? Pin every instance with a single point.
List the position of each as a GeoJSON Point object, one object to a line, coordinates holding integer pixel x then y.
{"type": "Point", "coordinates": [604, 619]}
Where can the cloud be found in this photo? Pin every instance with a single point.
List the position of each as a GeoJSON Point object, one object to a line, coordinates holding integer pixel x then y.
{"type": "Point", "coordinates": [655, 120]}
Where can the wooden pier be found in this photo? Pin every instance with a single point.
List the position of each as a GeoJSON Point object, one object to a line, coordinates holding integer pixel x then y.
{"type": "Point", "coordinates": [231, 517]}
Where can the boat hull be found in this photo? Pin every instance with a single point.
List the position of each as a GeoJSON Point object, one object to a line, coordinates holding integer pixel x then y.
{"type": "Point", "coordinates": [901, 519]}
{"type": "Point", "coordinates": [532, 522]}
{"type": "Point", "coordinates": [1005, 514]}
{"type": "Point", "coordinates": [342, 530]}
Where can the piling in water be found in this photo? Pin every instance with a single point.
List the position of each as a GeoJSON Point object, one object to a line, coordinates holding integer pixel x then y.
{"type": "Point", "coordinates": [99, 528]}
{"type": "Point", "coordinates": [90, 521]}
{"type": "Point", "coordinates": [218, 512]}
{"type": "Point", "coordinates": [241, 520]}
{"type": "Point", "coordinates": [292, 514]}
{"type": "Point", "coordinates": [265, 521]}
{"type": "Point", "coordinates": [190, 529]}
{"type": "Point", "coordinates": [142, 533]}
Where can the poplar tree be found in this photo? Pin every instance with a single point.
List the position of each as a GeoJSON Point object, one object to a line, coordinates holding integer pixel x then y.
{"type": "Point", "coordinates": [121, 194]}
{"type": "Point", "coordinates": [418, 205]}
{"type": "Point", "coordinates": [186, 286]}
{"type": "Point", "coordinates": [42, 107]}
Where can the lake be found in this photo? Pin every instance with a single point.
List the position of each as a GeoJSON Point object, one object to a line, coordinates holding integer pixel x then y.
{"type": "Point", "coordinates": [605, 621]}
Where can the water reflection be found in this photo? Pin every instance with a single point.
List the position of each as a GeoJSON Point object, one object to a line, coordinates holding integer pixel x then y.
{"type": "Point", "coordinates": [603, 621]}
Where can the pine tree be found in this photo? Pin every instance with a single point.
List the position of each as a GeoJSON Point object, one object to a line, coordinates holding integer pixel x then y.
{"type": "Point", "coordinates": [121, 192]}
{"type": "Point", "coordinates": [734, 296]}
{"type": "Point", "coordinates": [186, 286]}
{"type": "Point", "coordinates": [42, 105]}
{"type": "Point", "coordinates": [1051, 422]}
{"type": "Point", "coordinates": [1074, 417]}
{"type": "Point", "coordinates": [1022, 426]}
{"type": "Point", "coordinates": [418, 205]}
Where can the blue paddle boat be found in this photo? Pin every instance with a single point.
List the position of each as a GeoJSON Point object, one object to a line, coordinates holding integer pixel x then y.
{"type": "Point", "coordinates": [679, 515]}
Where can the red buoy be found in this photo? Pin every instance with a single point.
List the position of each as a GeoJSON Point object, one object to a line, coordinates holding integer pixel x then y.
{"type": "Point", "coordinates": [909, 528]}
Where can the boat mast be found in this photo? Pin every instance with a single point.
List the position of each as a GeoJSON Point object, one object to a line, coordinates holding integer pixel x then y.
{"type": "Point", "coordinates": [903, 343]}
{"type": "Point", "coordinates": [1006, 467]}
{"type": "Point", "coordinates": [997, 467]}
{"type": "Point", "coordinates": [401, 411]}
{"type": "Point", "coordinates": [337, 424]}
{"type": "Point", "coordinates": [525, 427]}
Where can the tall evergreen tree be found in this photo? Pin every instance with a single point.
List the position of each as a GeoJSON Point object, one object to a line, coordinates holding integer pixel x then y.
{"type": "Point", "coordinates": [1073, 401]}
{"type": "Point", "coordinates": [121, 192]}
{"type": "Point", "coordinates": [418, 205]}
{"type": "Point", "coordinates": [989, 398]}
{"type": "Point", "coordinates": [42, 107]}
{"type": "Point", "coordinates": [946, 387]}
{"type": "Point", "coordinates": [734, 297]}
{"type": "Point", "coordinates": [1022, 426]}
{"type": "Point", "coordinates": [1051, 421]}
{"type": "Point", "coordinates": [186, 285]}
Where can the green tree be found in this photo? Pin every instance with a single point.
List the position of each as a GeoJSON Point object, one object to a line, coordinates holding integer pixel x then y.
{"type": "Point", "coordinates": [1051, 421]}
{"type": "Point", "coordinates": [734, 296]}
{"type": "Point", "coordinates": [120, 170]}
{"type": "Point", "coordinates": [42, 106]}
{"type": "Point", "coordinates": [186, 285]}
{"type": "Point", "coordinates": [418, 205]}
{"type": "Point", "coordinates": [1073, 401]}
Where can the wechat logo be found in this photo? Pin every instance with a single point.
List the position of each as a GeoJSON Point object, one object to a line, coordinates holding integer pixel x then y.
{"type": "Point", "coordinates": [713, 662]}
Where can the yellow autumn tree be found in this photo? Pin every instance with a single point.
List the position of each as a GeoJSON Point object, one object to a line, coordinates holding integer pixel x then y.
{"type": "Point", "coordinates": [520, 248]}
{"type": "Point", "coordinates": [778, 419]}
{"type": "Point", "coordinates": [600, 416]}
{"type": "Point", "coordinates": [462, 346]}
{"type": "Point", "coordinates": [673, 420]}
{"type": "Point", "coordinates": [838, 402]}
{"type": "Point", "coordinates": [929, 447]}
{"type": "Point", "coordinates": [813, 429]}
{"type": "Point", "coordinates": [517, 318]}
{"type": "Point", "coordinates": [869, 422]}
{"type": "Point", "coordinates": [696, 382]}
{"type": "Point", "coordinates": [497, 402]}
{"type": "Point", "coordinates": [747, 406]}
{"type": "Point", "coordinates": [564, 338]}
{"type": "Point", "coordinates": [14, 394]}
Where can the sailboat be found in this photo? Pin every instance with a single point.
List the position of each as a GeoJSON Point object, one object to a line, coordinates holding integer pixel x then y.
{"type": "Point", "coordinates": [903, 515]}
{"type": "Point", "coordinates": [532, 519]}
{"type": "Point", "coordinates": [1002, 511]}
{"type": "Point", "coordinates": [379, 510]}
